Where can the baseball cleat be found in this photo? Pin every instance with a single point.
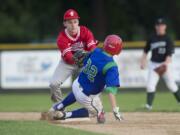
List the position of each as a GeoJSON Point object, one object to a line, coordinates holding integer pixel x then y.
{"type": "Point", "coordinates": [56, 115]}
{"type": "Point", "coordinates": [148, 107]}
{"type": "Point", "coordinates": [59, 115]}
{"type": "Point", "coordinates": [101, 118]}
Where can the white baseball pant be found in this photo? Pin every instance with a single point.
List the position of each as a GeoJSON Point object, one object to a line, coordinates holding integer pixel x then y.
{"type": "Point", "coordinates": [153, 78]}
{"type": "Point", "coordinates": [62, 72]}
{"type": "Point", "coordinates": [92, 103]}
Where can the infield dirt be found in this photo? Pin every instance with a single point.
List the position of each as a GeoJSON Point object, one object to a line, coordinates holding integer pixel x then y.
{"type": "Point", "coordinates": [135, 123]}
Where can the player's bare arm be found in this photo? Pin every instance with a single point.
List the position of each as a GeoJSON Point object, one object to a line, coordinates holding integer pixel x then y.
{"type": "Point", "coordinates": [115, 108]}
{"type": "Point", "coordinates": [143, 60]}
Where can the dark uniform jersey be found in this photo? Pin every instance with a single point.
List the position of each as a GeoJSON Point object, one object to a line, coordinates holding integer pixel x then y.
{"type": "Point", "coordinates": [161, 47]}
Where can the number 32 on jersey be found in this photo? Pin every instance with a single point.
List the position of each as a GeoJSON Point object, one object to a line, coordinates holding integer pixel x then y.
{"type": "Point", "coordinates": [90, 70]}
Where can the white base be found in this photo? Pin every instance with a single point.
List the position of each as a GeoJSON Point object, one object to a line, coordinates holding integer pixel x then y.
{"type": "Point", "coordinates": [72, 120]}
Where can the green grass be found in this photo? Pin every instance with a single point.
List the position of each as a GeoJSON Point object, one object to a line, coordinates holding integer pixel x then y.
{"type": "Point", "coordinates": [37, 128]}
{"type": "Point", "coordinates": [38, 102]}
{"type": "Point", "coordinates": [135, 101]}
{"type": "Point", "coordinates": [24, 102]}
{"type": "Point", "coordinates": [127, 101]}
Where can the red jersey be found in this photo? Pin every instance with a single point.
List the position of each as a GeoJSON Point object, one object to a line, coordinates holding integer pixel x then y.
{"type": "Point", "coordinates": [68, 45]}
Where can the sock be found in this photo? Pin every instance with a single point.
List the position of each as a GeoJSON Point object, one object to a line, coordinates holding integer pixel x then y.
{"type": "Point", "coordinates": [79, 113]}
{"type": "Point", "coordinates": [177, 95]}
{"type": "Point", "coordinates": [70, 99]}
{"type": "Point", "coordinates": [150, 98]}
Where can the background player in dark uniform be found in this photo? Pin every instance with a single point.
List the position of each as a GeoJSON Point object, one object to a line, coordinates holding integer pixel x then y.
{"type": "Point", "coordinates": [162, 49]}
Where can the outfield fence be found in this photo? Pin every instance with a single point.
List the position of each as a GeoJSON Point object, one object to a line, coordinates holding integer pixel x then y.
{"type": "Point", "coordinates": [30, 66]}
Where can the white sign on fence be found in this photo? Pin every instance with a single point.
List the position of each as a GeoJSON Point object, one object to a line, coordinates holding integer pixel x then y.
{"type": "Point", "coordinates": [129, 67]}
{"type": "Point", "coordinates": [33, 69]}
{"type": "Point", "coordinates": [29, 69]}
{"type": "Point", "coordinates": [176, 65]}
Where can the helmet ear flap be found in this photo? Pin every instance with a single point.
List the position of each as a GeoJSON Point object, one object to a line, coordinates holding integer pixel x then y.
{"type": "Point", "coordinates": [113, 44]}
{"type": "Point", "coordinates": [119, 49]}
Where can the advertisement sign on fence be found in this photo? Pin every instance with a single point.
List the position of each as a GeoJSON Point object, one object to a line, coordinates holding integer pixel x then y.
{"type": "Point", "coordinates": [129, 67]}
{"type": "Point", "coordinates": [29, 69]}
{"type": "Point", "coordinates": [33, 69]}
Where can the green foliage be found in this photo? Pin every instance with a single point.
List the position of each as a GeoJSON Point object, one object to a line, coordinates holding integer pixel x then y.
{"type": "Point", "coordinates": [40, 21]}
{"type": "Point", "coordinates": [28, 21]}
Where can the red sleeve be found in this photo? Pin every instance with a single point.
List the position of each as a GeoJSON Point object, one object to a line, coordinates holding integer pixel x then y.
{"type": "Point", "coordinates": [66, 52]}
{"type": "Point", "coordinates": [68, 58]}
{"type": "Point", "coordinates": [89, 39]}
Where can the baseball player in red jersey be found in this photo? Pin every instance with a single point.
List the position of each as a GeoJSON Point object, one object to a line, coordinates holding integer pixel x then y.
{"type": "Point", "coordinates": [70, 40]}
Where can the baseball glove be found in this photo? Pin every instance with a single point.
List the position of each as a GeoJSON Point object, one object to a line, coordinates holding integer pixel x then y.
{"type": "Point", "coordinates": [161, 69]}
{"type": "Point", "coordinates": [79, 57]}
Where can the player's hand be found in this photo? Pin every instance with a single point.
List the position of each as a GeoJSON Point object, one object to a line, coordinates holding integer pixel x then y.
{"type": "Point", "coordinates": [117, 114]}
{"type": "Point", "coordinates": [143, 64]}
{"type": "Point", "coordinates": [143, 61]}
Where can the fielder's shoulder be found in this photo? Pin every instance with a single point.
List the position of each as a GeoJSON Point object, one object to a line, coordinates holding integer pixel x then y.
{"type": "Point", "coordinates": [62, 37]}
{"type": "Point", "coordinates": [84, 29]}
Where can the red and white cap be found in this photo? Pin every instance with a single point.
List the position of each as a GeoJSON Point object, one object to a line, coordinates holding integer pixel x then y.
{"type": "Point", "coordinates": [71, 14]}
{"type": "Point", "coordinates": [113, 44]}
